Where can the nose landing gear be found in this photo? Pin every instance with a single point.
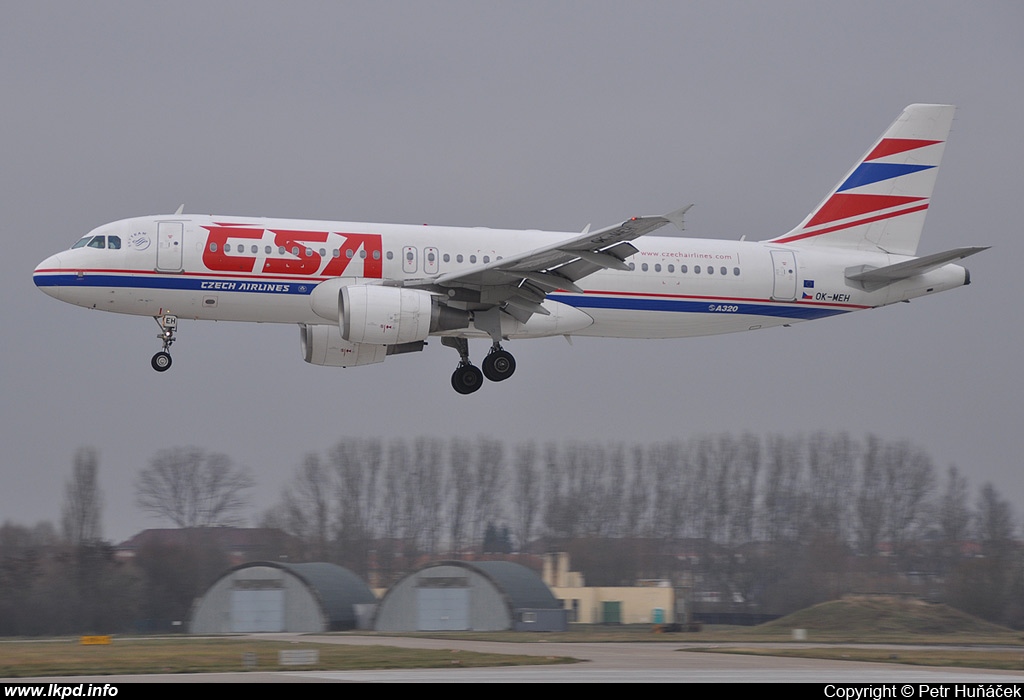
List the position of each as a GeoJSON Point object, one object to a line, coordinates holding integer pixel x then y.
{"type": "Point", "coordinates": [168, 323]}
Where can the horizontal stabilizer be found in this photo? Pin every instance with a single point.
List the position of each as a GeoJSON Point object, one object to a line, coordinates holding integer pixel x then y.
{"type": "Point", "coordinates": [870, 279]}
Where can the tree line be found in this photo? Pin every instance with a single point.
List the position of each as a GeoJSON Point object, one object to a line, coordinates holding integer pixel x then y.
{"type": "Point", "coordinates": [768, 524]}
{"type": "Point", "coordinates": [772, 523]}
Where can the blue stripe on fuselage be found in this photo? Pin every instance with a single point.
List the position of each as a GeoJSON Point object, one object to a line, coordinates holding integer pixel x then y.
{"type": "Point", "coordinates": [176, 282]}
{"type": "Point", "coordinates": [724, 307]}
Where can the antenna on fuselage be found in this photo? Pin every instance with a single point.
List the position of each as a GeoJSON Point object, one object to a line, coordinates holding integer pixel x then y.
{"type": "Point", "coordinates": [181, 208]}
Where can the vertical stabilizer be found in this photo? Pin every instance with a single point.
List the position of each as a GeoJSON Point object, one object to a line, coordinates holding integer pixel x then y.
{"type": "Point", "coordinates": [882, 202]}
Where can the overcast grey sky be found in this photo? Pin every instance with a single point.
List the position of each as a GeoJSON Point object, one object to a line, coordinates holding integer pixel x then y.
{"type": "Point", "coordinates": [545, 115]}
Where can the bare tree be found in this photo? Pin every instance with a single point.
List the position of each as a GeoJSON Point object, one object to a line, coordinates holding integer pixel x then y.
{"type": "Point", "coordinates": [909, 479]}
{"type": "Point", "coordinates": [460, 473]}
{"type": "Point", "coordinates": [193, 488]}
{"type": "Point", "coordinates": [526, 492]}
{"type": "Point", "coordinates": [871, 498]}
{"type": "Point", "coordinates": [80, 514]}
{"type": "Point", "coordinates": [784, 496]}
{"type": "Point", "coordinates": [306, 508]}
{"type": "Point", "coordinates": [490, 461]}
{"type": "Point", "coordinates": [995, 522]}
{"type": "Point", "coordinates": [831, 467]}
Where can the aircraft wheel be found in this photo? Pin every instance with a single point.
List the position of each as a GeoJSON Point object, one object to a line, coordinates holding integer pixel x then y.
{"type": "Point", "coordinates": [161, 361]}
{"type": "Point", "coordinates": [467, 379]}
{"type": "Point", "coordinates": [499, 365]}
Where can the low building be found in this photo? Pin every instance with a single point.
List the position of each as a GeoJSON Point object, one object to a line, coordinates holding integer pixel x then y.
{"type": "Point", "coordinates": [275, 597]}
{"type": "Point", "coordinates": [650, 602]}
{"type": "Point", "coordinates": [460, 595]}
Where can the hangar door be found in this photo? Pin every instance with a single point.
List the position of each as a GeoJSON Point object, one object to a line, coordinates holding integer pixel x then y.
{"type": "Point", "coordinates": [257, 610]}
{"type": "Point", "coordinates": [442, 608]}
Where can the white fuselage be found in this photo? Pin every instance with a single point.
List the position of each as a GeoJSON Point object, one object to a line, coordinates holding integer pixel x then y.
{"type": "Point", "coordinates": [267, 270]}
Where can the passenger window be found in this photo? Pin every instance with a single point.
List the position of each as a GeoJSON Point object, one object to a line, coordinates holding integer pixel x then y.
{"type": "Point", "coordinates": [458, 258]}
{"type": "Point", "coordinates": [644, 267]}
{"type": "Point", "coordinates": [736, 271]}
{"type": "Point", "coordinates": [724, 271]}
{"type": "Point", "coordinates": [696, 269]}
{"type": "Point", "coordinates": [376, 255]}
{"type": "Point", "coordinates": [472, 258]}
{"type": "Point", "coordinates": [657, 267]}
{"type": "Point", "coordinates": [683, 269]}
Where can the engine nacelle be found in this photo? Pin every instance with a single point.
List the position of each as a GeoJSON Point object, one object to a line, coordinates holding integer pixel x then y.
{"type": "Point", "coordinates": [393, 315]}
{"type": "Point", "coordinates": [323, 345]}
{"type": "Point", "coordinates": [384, 315]}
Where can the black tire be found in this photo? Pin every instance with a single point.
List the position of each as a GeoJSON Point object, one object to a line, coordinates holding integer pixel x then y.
{"type": "Point", "coordinates": [499, 365]}
{"type": "Point", "coordinates": [467, 379]}
{"type": "Point", "coordinates": [161, 362]}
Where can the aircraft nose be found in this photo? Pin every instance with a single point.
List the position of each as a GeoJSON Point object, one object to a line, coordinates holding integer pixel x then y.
{"type": "Point", "coordinates": [47, 276]}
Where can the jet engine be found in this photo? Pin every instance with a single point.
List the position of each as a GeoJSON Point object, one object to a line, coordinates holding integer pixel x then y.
{"type": "Point", "coordinates": [323, 345]}
{"type": "Point", "coordinates": [393, 315]}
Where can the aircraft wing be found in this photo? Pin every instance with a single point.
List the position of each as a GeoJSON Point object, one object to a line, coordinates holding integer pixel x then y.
{"type": "Point", "coordinates": [871, 279]}
{"type": "Point", "coordinates": [519, 283]}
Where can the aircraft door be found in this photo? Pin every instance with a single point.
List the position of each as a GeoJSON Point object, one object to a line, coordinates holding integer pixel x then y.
{"type": "Point", "coordinates": [784, 263]}
{"type": "Point", "coordinates": [170, 244]}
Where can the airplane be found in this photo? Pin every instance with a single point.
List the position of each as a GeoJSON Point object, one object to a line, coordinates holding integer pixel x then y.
{"type": "Point", "coordinates": [361, 292]}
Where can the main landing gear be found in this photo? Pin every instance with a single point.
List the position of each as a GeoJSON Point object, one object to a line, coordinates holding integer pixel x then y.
{"type": "Point", "coordinates": [467, 378]}
{"type": "Point", "coordinates": [168, 325]}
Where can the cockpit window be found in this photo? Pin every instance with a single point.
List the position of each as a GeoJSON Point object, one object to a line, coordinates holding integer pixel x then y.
{"type": "Point", "coordinates": [111, 242]}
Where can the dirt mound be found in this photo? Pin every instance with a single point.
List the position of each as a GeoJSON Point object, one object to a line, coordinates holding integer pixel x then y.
{"type": "Point", "coordinates": [880, 614]}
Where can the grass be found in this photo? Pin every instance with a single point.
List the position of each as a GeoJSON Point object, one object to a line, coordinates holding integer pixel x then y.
{"type": "Point", "coordinates": [996, 659]}
{"type": "Point", "coordinates": [64, 657]}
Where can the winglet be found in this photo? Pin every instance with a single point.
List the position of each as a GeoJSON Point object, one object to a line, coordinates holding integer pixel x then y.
{"type": "Point", "coordinates": [676, 217]}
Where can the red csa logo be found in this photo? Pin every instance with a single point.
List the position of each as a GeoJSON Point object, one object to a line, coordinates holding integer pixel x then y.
{"type": "Point", "coordinates": [299, 258]}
